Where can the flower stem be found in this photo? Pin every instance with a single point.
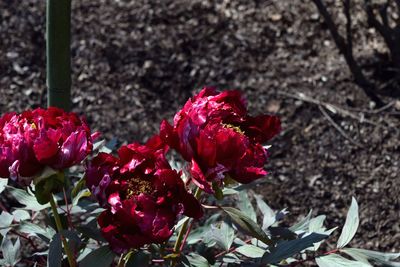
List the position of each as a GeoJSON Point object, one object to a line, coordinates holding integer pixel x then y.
{"type": "Point", "coordinates": [178, 241]}
{"type": "Point", "coordinates": [223, 253]}
{"type": "Point", "coordinates": [181, 234]}
{"type": "Point", "coordinates": [121, 262]}
{"type": "Point", "coordinates": [198, 192]}
{"type": "Point", "coordinates": [186, 235]}
{"type": "Point", "coordinates": [68, 252]}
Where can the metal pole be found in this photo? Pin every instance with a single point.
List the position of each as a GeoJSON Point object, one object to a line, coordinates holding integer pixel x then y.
{"type": "Point", "coordinates": [58, 53]}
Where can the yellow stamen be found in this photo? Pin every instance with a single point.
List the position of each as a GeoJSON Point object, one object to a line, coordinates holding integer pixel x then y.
{"type": "Point", "coordinates": [137, 185]}
{"type": "Point", "coordinates": [235, 128]}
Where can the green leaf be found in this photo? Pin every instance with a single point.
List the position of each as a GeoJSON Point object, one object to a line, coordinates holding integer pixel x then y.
{"type": "Point", "coordinates": [282, 233]}
{"type": "Point", "coordinates": [364, 255]}
{"type": "Point", "coordinates": [231, 258]}
{"type": "Point", "coordinates": [45, 174]}
{"type": "Point", "coordinates": [247, 225]}
{"type": "Point", "coordinates": [81, 194]}
{"type": "Point", "coordinates": [73, 238]}
{"type": "Point", "coordinates": [139, 258]}
{"type": "Point", "coordinates": [269, 216]}
{"type": "Point", "coordinates": [350, 226]}
{"type": "Point", "coordinates": [195, 260]}
{"type": "Point", "coordinates": [112, 144]}
{"type": "Point", "coordinates": [91, 233]}
{"type": "Point", "coordinates": [55, 256]}
{"type": "Point", "coordinates": [251, 251]}
{"type": "Point", "coordinates": [3, 184]}
{"type": "Point", "coordinates": [101, 257]}
{"type": "Point", "coordinates": [229, 191]}
{"type": "Point", "coordinates": [98, 145]}
{"type": "Point", "coordinates": [11, 252]}
{"type": "Point", "coordinates": [45, 187]}
{"type": "Point", "coordinates": [198, 233]}
{"type": "Point", "coordinates": [79, 186]}
{"type": "Point", "coordinates": [84, 252]}
{"type": "Point", "coordinates": [109, 147]}
{"type": "Point", "coordinates": [26, 199]}
{"type": "Point", "coordinates": [91, 230]}
{"type": "Point", "coordinates": [251, 185]}
{"type": "Point", "coordinates": [21, 215]}
{"type": "Point", "coordinates": [218, 194]}
{"type": "Point", "coordinates": [303, 224]}
{"type": "Point", "coordinates": [36, 230]}
{"type": "Point", "coordinates": [290, 248]}
{"type": "Point", "coordinates": [5, 222]}
{"type": "Point", "coordinates": [97, 211]}
{"type": "Point", "coordinates": [222, 236]}
{"type": "Point", "coordinates": [334, 260]}
{"type": "Point", "coordinates": [246, 207]}
{"type": "Point", "coordinates": [316, 225]}
{"type": "Point", "coordinates": [179, 224]}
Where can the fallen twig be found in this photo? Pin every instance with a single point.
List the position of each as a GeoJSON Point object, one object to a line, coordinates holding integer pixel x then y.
{"type": "Point", "coordinates": [338, 128]}
{"type": "Point", "coordinates": [338, 110]}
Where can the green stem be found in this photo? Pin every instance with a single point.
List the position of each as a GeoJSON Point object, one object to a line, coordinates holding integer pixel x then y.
{"type": "Point", "coordinates": [68, 252]}
{"type": "Point", "coordinates": [58, 54]}
{"type": "Point", "coordinates": [180, 237]}
{"type": "Point", "coordinates": [181, 234]}
{"type": "Point", "coordinates": [124, 258]}
{"type": "Point", "coordinates": [121, 262]}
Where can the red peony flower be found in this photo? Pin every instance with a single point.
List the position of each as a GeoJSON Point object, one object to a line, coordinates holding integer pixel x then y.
{"type": "Point", "coordinates": [141, 193]}
{"type": "Point", "coordinates": [41, 137]}
{"type": "Point", "coordinates": [214, 132]}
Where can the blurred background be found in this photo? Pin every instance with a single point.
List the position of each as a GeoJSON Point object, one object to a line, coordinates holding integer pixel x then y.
{"type": "Point", "coordinates": [137, 62]}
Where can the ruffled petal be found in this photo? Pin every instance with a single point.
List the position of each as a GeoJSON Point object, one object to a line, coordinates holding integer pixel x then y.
{"type": "Point", "coordinates": [261, 128]}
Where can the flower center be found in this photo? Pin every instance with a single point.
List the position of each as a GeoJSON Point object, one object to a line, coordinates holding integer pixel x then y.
{"type": "Point", "coordinates": [233, 127]}
{"type": "Point", "coordinates": [137, 186]}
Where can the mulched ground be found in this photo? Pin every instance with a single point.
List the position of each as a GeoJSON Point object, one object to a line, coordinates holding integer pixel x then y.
{"type": "Point", "coordinates": [136, 62]}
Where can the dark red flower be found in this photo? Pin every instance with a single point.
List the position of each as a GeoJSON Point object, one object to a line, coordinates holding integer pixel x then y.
{"type": "Point", "coordinates": [216, 135]}
{"type": "Point", "coordinates": [41, 137]}
{"type": "Point", "coordinates": [142, 195]}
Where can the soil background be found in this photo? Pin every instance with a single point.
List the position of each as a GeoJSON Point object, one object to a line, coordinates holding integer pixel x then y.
{"type": "Point", "coordinates": [137, 62]}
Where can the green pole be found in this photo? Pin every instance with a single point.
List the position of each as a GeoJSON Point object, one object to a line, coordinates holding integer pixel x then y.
{"type": "Point", "coordinates": [58, 53]}
{"type": "Point", "coordinates": [58, 68]}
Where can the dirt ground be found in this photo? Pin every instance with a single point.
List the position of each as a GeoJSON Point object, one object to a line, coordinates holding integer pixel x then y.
{"type": "Point", "coordinates": [136, 62]}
